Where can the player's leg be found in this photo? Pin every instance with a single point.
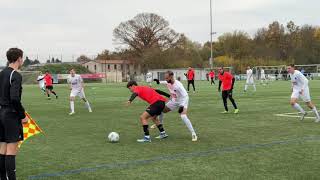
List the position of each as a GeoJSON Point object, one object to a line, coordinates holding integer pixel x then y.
{"type": "Point", "coordinates": [246, 86]}
{"type": "Point", "coordinates": [48, 92]}
{"type": "Point", "coordinates": [194, 89]}
{"type": "Point", "coordinates": [53, 92]}
{"type": "Point", "coordinates": [314, 109]}
{"type": "Point", "coordinates": [3, 172]}
{"type": "Point", "coordinates": [72, 98]}
{"type": "Point", "coordinates": [161, 116]}
{"type": "Point", "coordinates": [144, 121]}
{"type": "Point", "coordinates": [254, 87]}
{"type": "Point", "coordinates": [163, 134]}
{"type": "Point", "coordinates": [189, 82]}
{"type": "Point", "coordinates": [236, 110]}
{"type": "Point", "coordinates": [295, 105]}
{"type": "Point", "coordinates": [188, 123]}
{"type": "Point", "coordinates": [83, 97]}
{"type": "Point", "coordinates": [10, 160]}
{"type": "Point", "coordinates": [224, 99]}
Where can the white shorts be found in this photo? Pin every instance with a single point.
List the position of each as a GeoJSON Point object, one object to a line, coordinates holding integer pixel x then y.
{"type": "Point", "coordinates": [250, 81]}
{"type": "Point", "coordinates": [305, 96]}
{"type": "Point", "coordinates": [149, 80]}
{"type": "Point", "coordinates": [172, 105]}
{"type": "Point", "coordinates": [77, 92]}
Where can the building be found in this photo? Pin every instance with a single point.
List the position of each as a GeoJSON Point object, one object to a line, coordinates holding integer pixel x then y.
{"type": "Point", "coordinates": [116, 70]}
{"type": "Point", "coordinates": [200, 74]}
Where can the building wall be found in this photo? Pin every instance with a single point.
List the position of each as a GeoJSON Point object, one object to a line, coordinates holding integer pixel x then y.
{"type": "Point", "coordinates": [200, 74]}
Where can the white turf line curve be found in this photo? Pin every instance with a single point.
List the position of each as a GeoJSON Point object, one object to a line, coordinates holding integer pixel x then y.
{"type": "Point", "coordinates": [294, 115]}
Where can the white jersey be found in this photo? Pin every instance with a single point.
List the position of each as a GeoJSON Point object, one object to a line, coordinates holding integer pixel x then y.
{"type": "Point", "coordinates": [249, 76]}
{"type": "Point", "coordinates": [76, 82]}
{"type": "Point", "coordinates": [299, 81]}
{"type": "Point", "coordinates": [177, 91]}
{"type": "Point", "coordinates": [263, 75]}
{"type": "Point", "coordinates": [40, 79]}
{"type": "Point", "coordinates": [149, 77]}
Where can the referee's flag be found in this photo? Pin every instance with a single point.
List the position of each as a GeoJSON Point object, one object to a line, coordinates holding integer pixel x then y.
{"type": "Point", "coordinates": [30, 128]}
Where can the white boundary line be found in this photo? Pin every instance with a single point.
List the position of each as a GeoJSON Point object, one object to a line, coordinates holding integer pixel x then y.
{"type": "Point", "coordinates": [295, 115]}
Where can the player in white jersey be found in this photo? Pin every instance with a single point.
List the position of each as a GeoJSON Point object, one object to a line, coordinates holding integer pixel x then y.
{"type": "Point", "coordinates": [179, 100]}
{"type": "Point", "coordinates": [149, 78]}
{"type": "Point", "coordinates": [77, 89]}
{"type": "Point", "coordinates": [250, 80]}
{"type": "Point", "coordinates": [263, 77]}
{"type": "Point", "coordinates": [40, 80]}
{"type": "Point", "coordinates": [300, 89]}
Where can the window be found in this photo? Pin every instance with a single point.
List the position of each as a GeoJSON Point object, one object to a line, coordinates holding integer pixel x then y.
{"type": "Point", "coordinates": [87, 67]}
{"type": "Point", "coordinates": [115, 66]}
{"type": "Point", "coordinates": [95, 67]}
{"type": "Point", "coordinates": [121, 67]}
{"type": "Point", "coordinates": [108, 66]}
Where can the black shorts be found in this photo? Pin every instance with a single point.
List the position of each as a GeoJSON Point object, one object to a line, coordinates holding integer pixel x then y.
{"type": "Point", "coordinates": [11, 129]}
{"type": "Point", "coordinates": [49, 87]}
{"type": "Point", "coordinates": [156, 108]}
{"type": "Point", "coordinates": [227, 93]}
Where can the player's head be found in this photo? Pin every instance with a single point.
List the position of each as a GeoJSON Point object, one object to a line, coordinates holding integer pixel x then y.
{"type": "Point", "coordinates": [169, 76]}
{"type": "Point", "coordinates": [211, 70]}
{"type": "Point", "coordinates": [14, 56]}
{"type": "Point", "coordinates": [220, 70]}
{"type": "Point", "coordinates": [189, 68]}
{"type": "Point", "coordinates": [40, 73]}
{"type": "Point", "coordinates": [248, 67]}
{"type": "Point", "coordinates": [131, 85]}
{"type": "Point", "coordinates": [291, 68]}
{"type": "Point", "coordinates": [72, 72]}
{"type": "Point", "coordinates": [47, 72]}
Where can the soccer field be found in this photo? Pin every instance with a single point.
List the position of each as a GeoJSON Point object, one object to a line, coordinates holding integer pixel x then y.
{"type": "Point", "coordinates": [254, 144]}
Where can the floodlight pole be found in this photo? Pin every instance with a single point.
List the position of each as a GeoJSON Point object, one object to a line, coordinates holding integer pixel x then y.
{"type": "Point", "coordinates": [211, 34]}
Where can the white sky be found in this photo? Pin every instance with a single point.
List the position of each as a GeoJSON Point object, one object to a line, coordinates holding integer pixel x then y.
{"type": "Point", "coordinates": [73, 27]}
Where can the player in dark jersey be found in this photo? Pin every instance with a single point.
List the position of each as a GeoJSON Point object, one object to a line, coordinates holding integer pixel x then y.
{"type": "Point", "coordinates": [157, 104]}
{"type": "Point", "coordinates": [49, 85]}
{"type": "Point", "coordinates": [12, 114]}
{"type": "Point", "coordinates": [227, 81]}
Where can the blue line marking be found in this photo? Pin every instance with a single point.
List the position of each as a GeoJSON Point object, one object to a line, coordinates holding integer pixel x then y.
{"type": "Point", "coordinates": [173, 157]}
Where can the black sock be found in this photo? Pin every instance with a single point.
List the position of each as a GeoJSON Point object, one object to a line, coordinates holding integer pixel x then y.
{"type": "Point", "coordinates": [146, 130]}
{"type": "Point", "coordinates": [11, 167]}
{"type": "Point", "coordinates": [160, 127]}
{"type": "Point", "coordinates": [54, 93]}
{"type": "Point", "coordinates": [3, 172]}
{"type": "Point", "coordinates": [233, 103]}
{"type": "Point", "coordinates": [48, 95]}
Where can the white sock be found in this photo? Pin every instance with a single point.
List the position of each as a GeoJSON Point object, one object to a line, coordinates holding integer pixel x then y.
{"type": "Point", "coordinates": [187, 122]}
{"type": "Point", "coordinates": [161, 118]}
{"type": "Point", "coordinates": [88, 105]}
{"type": "Point", "coordinates": [299, 108]}
{"type": "Point", "coordinates": [254, 87]}
{"type": "Point", "coordinates": [72, 106]}
{"type": "Point", "coordinates": [316, 112]}
{"type": "Point", "coordinates": [245, 87]}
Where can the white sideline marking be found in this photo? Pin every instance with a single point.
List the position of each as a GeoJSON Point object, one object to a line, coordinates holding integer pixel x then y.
{"type": "Point", "coordinates": [295, 115]}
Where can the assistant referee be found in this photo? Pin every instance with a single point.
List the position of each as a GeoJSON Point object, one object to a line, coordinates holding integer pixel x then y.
{"type": "Point", "coordinates": [11, 114]}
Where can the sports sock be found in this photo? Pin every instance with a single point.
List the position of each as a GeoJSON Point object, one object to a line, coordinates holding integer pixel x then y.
{"type": "Point", "coordinates": [88, 105]}
{"type": "Point", "coordinates": [314, 109]}
{"type": "Point", "coordinates": [72, 106]}
{"type": "Point", "coordinates": [254, 87]}
{"type": "Point", "coordinates": [299, 108]}
{"type": "Point", "coordinates": [187, 122]}
{"type": "Point", "coordinates": [146, 130]}
{"type": "Point", "coordinates": [245, 87]}
{"type": "Point", "coordinates": [160, 127]}
{"type": "Point", "coordinates": [54, 93]}
{"type": "Point", "coordinates": [161, 118]}
{"type": "Point", "coordinates": [233, 103]}
{"type": "Point", "coordinates": [3, 173]}
{"type": "Point", "coordinates": [11, 166]}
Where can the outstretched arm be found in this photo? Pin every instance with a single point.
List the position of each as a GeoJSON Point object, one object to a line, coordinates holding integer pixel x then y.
{"type": "Point", "coordinates": [163, 93]}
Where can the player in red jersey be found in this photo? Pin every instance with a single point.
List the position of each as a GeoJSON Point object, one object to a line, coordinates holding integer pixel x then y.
{"type": "Point", "coordinates": [211, 75]}
{"type": "Point", "coordinates": [49, 85]}
{"type": "Point", "coordinates": [157, 104]}
{"type": "Point", "coordinates": [227, 81]}
{"type": "Point", "coordinates": [190, 76]}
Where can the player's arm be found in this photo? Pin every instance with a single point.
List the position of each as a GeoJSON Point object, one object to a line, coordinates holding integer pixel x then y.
{"type": "Point", "coordinates": [82, 83]}
{"type": "Point", "coordinates": [233, 80]}
{"type": "Point", "coordinates": [163, 93]}
{"type": "Point", "coordinates": [160, 82]}
{"type": "Point", "coordinates": [220, 82]}
{"type": "Point", "coordinates": [133, 96]}
{"type": "Point", "coordinates": [39, 79]}
{"type": "Point", "coordinates": [15, 95]}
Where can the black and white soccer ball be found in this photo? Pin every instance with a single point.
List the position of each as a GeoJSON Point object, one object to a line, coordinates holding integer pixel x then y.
{"type": "Point", "coordinates": [113, 137]}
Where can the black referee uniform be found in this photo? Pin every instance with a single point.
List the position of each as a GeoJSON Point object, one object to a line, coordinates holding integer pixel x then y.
{"type": "Point", "coordinates": [11, 114]}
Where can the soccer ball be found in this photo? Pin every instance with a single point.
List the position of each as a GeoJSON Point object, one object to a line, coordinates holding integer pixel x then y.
{"type": "Point", "coordinates": [113, 137]}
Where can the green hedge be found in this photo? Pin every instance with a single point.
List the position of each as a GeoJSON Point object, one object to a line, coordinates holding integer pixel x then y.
{"type": "Point", "coordinates": [63, 68]}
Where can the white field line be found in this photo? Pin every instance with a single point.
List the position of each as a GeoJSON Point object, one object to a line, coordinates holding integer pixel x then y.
{"type": "Point", "coordinates": [296, 115]}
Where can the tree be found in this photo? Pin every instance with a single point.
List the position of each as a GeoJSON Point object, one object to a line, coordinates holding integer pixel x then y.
{"type": "Point", "coordinates": [83, 58]}
{"type": "Point", "coordinates": [105, 55]}
{"type": "Point", "coordinates": [145, 31]}
{"type": "Point", "coordinates": [27, 62]}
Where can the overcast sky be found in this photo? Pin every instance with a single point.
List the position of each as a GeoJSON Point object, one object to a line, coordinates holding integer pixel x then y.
{"type": "Point", "coordinates": [73, 27]}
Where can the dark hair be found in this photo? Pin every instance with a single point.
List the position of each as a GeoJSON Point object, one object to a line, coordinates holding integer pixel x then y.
{"type": "Point", "coordinates": [13, 54]}
{"type": "Point", "coordinates": [170, 73]}
{"type": "Point", "coordinates": [292, 65]}
{"type": "Point", "coordinates": [132, 83]}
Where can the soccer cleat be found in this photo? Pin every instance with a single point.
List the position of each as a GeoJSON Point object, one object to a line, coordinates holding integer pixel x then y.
{"type": "Point", "coordinates": [194, 138]}
{"type": "Point", "coordinates": [162, 136]}
{"type": "Point", "coordinates": [49, 98]}
{"type": "Point", "coordinates": [224, 112]}
{"type": "Point", "coordinates": [90, 110]}
{"type": "Point", "coordinates": [317, 120]}
{"type": "Point", "coordinates": [153, 126]}
{"type": "Point", "coordinates": [56, 97]}
{"type": "Point", "coordinates": [71, 113]}
{"type": "Point", "coordinates": [236, 111]}
{"type": "Point", "coordinates": [303, 116]}
{"type": "Point", "coordinates": [144, 140]}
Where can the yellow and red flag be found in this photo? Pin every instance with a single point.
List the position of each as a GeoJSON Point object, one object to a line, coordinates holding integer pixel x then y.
{"type": "Point", "coordinates": [30, 128]}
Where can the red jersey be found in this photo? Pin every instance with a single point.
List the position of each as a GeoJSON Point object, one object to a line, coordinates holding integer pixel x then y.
{"type": "Point", "coordinates": [226, 80]}
{"type": "Point", "coordinates": [148, 94]}
{"type": "Point", "coordinates": [48, 79]}
{"type": "Point", "coordinates": [190, 74]}
{"type": "Point", "coordinates": [211, 74]}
